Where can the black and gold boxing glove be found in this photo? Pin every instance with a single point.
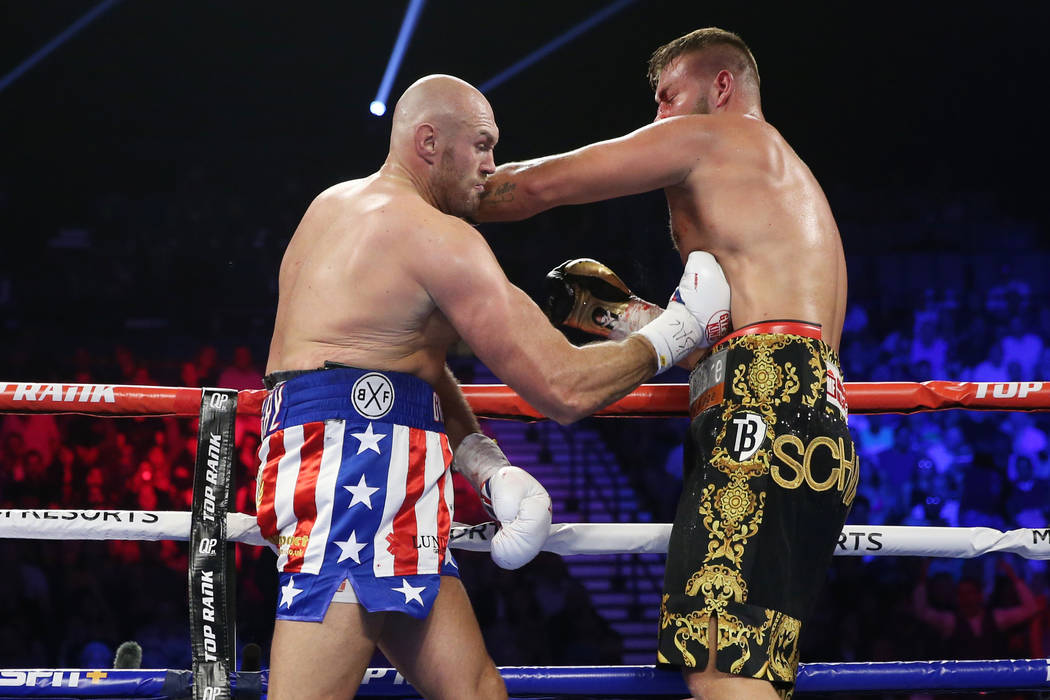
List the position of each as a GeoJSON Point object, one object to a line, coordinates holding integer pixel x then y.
{"type": "Point", "coordinates": [587, 295]}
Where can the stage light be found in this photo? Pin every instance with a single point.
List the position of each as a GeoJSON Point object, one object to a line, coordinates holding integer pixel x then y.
{"type": "Point", "coordinates": [555, 44]}
{"type": "Point", "coordinates": [408, 25]}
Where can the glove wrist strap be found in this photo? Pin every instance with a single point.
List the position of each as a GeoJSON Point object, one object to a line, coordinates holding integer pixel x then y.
{"type": "Point", "coordinates": [673, 335]}
{"type": "Point", "coordinates": [478, 458]}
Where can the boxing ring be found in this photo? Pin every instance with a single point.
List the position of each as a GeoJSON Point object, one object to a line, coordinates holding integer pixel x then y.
{"type": "Point", "coordinates": [210, 528]}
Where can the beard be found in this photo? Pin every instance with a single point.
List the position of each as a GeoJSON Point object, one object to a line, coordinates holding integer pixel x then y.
{"type": "Point", "coordinates": [454, 196]}
{"type": "Point", "coordinates": [702, 106]}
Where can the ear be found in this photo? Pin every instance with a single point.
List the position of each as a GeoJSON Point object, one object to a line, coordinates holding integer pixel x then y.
{"type": "Point", "coordinates": [724, 86]}
{"type": "Point", "coordinates": [425, 141]}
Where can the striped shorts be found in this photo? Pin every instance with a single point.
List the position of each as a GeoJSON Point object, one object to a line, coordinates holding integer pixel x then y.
{"type": "Point", "coordinates": [354, 486]}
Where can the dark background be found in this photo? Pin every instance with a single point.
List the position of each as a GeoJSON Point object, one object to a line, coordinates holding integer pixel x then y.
{"type": "Point", "coordinates": [181, 141]}
{"type": "Point", "coordinates": [153, 168]}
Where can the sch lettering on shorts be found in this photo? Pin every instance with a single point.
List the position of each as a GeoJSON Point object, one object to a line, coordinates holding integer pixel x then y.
{"type": "Point", "coordinates": [794, 465]}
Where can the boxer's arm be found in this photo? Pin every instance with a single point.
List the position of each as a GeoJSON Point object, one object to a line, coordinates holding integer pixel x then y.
{"type": "Point", "coordinates": [513, 337]}
{"type": "Point", "coordinates": [656, 156]}
{"type": "Point", "coordinates": [943, 622]}
{"type": "Point", "coordinates": [1029, 606]}
{"type": "Point", "coordinates": [460, 420]}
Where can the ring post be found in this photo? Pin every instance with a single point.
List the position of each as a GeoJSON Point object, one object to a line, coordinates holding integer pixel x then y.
{"type": "Point", "coordinates": [210, 576]}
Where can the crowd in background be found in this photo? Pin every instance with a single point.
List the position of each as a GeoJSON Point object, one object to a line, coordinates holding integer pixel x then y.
{"type": "Point", "coordinates": [70, 603]}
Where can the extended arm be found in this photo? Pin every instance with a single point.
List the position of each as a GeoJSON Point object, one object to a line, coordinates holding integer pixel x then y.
{"type": "Point", "coordinates": [943, 622]}
{"type": "Point", "coordinates": [509, 494]}
{"type": "Point", "coordinates": [460, 420]}
{"type": "Point", "coordinates": [512, 336]}
{"type": "Point", "coordinates": [656, 156]}
{"type": "Point", "coordinates": [1029, 606]}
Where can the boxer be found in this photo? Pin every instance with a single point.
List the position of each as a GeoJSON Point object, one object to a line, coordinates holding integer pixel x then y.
{"type": "Point", "coordinates": [771, 469]}
{"type": "Point", "coordinates": [364, 420]}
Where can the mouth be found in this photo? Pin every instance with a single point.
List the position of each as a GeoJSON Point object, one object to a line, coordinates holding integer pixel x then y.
{"type": "Point", "coordinates": [479, 188]}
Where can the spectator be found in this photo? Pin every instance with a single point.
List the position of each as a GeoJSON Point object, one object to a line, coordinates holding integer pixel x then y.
{"type": "Point", "coordinates": [1028, 502]}
{"type": "Point", "coordinates": [898, 466]}
{"type": "Point", "coordinates": [39, 432]}
{"type": "Point", "coordinates": [981, 503]}
{"type": "Point", "coordinates": [242, 374]}
{"type": "Point", "coordinates": [874, 434]}
{"type": "Point", "coordinates": [993, 368]}
{"type": "Point", "coordinates": [207, 366]}
{"type": "Point", "coordinates": [1022, 345]}
{"type": "Point", "coordinates": [928, 346]}
{"type": "Point", "coordinates": [974, 630]}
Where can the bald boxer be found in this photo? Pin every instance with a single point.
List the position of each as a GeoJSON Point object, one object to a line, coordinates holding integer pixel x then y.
{"type": "Point", "coordinates": [770, 467]}
{"type": "Point", "coordinates": [363, 416]}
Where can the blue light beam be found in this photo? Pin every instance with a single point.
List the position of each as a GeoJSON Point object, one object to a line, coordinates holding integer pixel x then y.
{"type": "Point", "coordinates": [408, 25]}
{"type": "Point", "coordinates": [555, 44]}
{"type": "Point", "coordinates": [64, 36]}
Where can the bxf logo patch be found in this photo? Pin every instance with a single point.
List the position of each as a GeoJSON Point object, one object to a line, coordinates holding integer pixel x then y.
{"type": "Point", "coordinates": [746, 435]}
{"type": "Point", "coordinates": [373, 395]}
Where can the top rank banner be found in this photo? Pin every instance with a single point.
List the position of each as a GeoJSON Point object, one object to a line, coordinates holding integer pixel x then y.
{"type": "Point", "coordinates": [211, 618]}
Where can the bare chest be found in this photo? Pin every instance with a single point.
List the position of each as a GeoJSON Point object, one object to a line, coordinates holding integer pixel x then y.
{"type": "Point", "coordinates": [689, 230]}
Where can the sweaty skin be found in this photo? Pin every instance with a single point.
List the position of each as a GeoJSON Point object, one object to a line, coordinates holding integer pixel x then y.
{"type": "Point", "coordinates": [734, 188]}
{"type": "Point", "coordinates": [383, 274]}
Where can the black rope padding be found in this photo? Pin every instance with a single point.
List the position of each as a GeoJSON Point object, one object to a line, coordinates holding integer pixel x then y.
{"type": "Point", "coordinates": [210, 578]}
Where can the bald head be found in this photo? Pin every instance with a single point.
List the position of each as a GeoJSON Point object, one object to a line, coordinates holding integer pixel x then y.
{"type": "Point", "coordinates": [442, 135]}
{"type": "Point", "coordinates": [444, 101]}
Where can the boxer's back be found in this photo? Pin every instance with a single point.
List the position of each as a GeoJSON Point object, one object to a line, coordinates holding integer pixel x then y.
{"type": "Point", "coordinates": [753, 204]}
{"type": "Point", "coordinates": [346, 291]}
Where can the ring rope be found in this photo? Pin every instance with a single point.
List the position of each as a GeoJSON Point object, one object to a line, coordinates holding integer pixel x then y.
{"type": "Point", "coordinates": [499, 401]}
{"type": "Point", "coordinates": [886, 676]}
{"type": "Point", "coordinates": [564, 538]}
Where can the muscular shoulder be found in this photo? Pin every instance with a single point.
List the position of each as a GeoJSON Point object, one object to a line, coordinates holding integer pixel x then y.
{"type": "Point", "coordinates": [442, 239]}
{"type": "Point", "coordinates": [729, 130]}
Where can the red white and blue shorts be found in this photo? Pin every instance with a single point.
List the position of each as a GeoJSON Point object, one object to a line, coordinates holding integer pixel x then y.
{"type": "Point", "coordinates": [355, 492]}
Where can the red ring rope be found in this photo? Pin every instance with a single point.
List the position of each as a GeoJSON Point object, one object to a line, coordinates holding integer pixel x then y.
{"type": "Point", "coordinates": [499, 401]}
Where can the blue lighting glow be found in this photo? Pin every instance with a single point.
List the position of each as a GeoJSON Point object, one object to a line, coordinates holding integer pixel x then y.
{"type": "Point", "coordinates": [408, 25]}
{"type": "Point", "coordinates": [555, 44]}
{"type": "Point", "coordinates": [64, 36]}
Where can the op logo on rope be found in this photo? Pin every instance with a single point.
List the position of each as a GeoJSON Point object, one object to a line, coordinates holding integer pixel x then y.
{"type": "Point", "coordinates": [373, 395]}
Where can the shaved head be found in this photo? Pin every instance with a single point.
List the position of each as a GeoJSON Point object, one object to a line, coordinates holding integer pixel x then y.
{"type": "Point", "coordinates": [443, 133]}
{"type": "Point", "coordinates": [444, 101]}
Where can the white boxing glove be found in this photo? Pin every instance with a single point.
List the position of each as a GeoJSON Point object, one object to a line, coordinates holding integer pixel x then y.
{"type": "Point", "coordinates": [697, 315]}
{"type": "Point", "coordinates": [511, 495]}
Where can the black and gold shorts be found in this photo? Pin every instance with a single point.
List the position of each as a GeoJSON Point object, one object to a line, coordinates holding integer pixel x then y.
{"type": "Point", "coordinates": [770, 473]}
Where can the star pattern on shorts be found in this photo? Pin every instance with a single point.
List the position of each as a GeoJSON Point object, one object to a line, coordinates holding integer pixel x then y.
{"type": "Point", "coordinates": [411, 592]}
{"type": "Point", "coordinates": [362, 493]}
{"type": "Point", "coordinates": [351, 548]}
{"type": "Point", "coordinates": [369, 440]}
{"type": "Point", "coordinates": [289, 592]}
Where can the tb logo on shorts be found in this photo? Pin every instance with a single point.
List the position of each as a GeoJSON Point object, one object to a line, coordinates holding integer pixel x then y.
{"type": "Point", "coordinates": [746, 436]}
{"type": "Point", "coordinates": [373, 395]}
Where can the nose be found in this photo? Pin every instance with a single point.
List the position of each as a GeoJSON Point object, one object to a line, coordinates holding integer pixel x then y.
{"type": "Point", "coordinates": [488, 165]}
{"type": "Point", "coordinates": [662, 112]}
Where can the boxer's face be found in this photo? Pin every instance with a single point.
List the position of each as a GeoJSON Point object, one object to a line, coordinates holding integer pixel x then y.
{"type": "Point", "coordinates": [681, 89]}
{"type": "Point", "coordinates": [466, 162]}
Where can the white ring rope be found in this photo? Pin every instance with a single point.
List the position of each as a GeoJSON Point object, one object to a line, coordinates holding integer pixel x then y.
{"type": "Point", "coordinates": [564, 538]}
